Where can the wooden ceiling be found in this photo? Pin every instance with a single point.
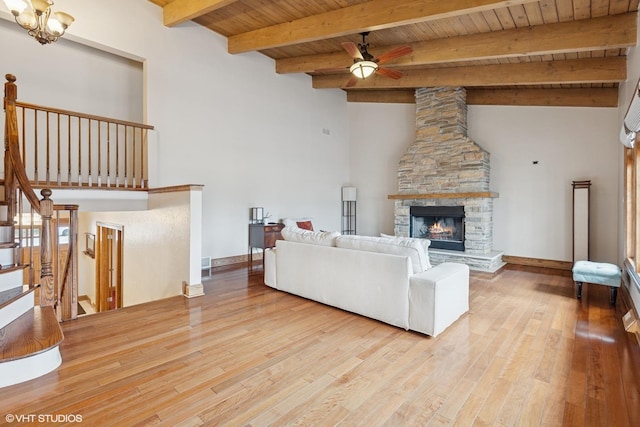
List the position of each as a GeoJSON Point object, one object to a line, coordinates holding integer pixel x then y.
{"type": "Point", "coordinates": [517, 52]}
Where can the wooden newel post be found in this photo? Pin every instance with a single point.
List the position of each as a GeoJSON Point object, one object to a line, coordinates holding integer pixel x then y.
{"type": "Point", "coordinates": [47, 285]}
{"type": "Point", "coordinates": [10, 96]}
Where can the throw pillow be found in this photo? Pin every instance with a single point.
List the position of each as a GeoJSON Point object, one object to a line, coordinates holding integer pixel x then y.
{"type": "Point", "coordinates": [293, 222]}
{"type": "Point", "coordinates": [305, 225]}
{"type": "Point", "coordinates": [321, 238]}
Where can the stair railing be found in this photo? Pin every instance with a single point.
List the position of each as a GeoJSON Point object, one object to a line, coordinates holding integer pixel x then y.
{"type": "Point", "coordinates": [58, 286]}
{"type": "Point", "coordinates": [69, 149]}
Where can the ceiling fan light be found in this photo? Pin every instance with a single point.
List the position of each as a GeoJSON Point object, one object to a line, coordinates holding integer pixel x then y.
{"type": "Point", "coordinates": [363, 69]}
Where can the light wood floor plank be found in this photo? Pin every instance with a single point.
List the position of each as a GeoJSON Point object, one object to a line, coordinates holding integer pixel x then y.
{"type": "Point", "coordinates": [527, 353]}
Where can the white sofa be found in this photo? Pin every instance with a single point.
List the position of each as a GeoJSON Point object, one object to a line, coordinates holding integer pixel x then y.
{"type": "Point", "coordinates": [388, 279]}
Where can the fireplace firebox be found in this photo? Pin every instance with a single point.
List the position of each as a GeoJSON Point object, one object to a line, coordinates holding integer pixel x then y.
{"type": "Point", "coordinates": [443, 225]}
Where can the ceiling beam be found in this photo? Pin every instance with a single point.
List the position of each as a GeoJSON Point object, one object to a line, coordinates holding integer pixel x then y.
{"type": "Point", "coordinates": [609, 32]}
{"type": "Point", "coordinates": [403, 96]}
{"type": "Point", "coordinates": [179, 11]}
{"type": "Point", "coordinates": [369, 16]}
{"type": "Point", "coordinates": [561, 97]}
{"type": "Point", "coordinates": [573, 71]}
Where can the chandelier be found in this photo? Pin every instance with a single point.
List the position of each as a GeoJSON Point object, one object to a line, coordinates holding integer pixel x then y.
{"type": "Point", "coordinates": [39, 20]}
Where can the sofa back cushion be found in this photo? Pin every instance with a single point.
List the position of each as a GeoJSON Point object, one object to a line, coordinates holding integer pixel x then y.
{"type": "Point", "coordinates": [425, 243]}
{"type": "Point", "coordinates": [322, 238]}
{"type": "Point", "coordinates": [404, 247]}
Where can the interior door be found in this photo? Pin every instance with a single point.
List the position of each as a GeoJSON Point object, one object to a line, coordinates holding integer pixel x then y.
{"type": "Point", "coordinates": [109, 243]}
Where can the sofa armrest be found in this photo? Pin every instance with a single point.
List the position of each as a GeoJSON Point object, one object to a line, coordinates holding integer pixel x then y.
{"type": "Point", "coordinates": [270, 267]}
{"type": "Point", "coordinates": [438, 297]}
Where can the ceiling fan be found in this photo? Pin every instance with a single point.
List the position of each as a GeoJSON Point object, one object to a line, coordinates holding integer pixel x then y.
{"type": "Point", "coordinates": [365, 64]}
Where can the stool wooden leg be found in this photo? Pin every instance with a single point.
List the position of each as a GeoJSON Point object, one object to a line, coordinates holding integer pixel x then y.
{"type": "Point", "coordinates": [614, 294]}
{"type": "Point", "coordinates": [578, 290]}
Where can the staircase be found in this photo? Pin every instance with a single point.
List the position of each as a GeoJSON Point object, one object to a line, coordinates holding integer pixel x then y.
{"type": "Point", "coordinates": [29, 334]}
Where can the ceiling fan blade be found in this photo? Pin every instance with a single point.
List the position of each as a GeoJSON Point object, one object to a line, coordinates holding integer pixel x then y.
{"type": "Point", "coordinates": [352, 50]}
{"type": "Point", "coordinates": [352, 82]}
{"type": "Point", "coordinates": [392, 74]}
{"type": "Point", "coordinates": [394, 53]}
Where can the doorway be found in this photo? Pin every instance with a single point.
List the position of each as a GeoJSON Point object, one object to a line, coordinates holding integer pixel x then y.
{"type": "Point", "coordinates": [109, 243]}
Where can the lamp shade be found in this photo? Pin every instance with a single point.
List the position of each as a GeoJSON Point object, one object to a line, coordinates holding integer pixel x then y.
{"type": "Point", "coordinates": [363, 69]}
{"type": "Point", "coordinates": [257, 215]}
{"type": "Point", "coordinates": [348, 194]}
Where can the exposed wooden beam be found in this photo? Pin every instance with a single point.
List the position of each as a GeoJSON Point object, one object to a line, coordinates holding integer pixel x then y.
{"type": "Point", "coordinates": [405, 96]}
{"type": "Point", "coordinates": [369, 16]}
{"type": "Point", "coordinates": [614, 31]}
{"type": "Point", "coordinates": [574, 97]}
{"type": "Point", "coordinates": [179, 11]}
{"type": "Point", "coordinates": [561, 97]}
{"type": "Point", "coordinates": [574, 71]}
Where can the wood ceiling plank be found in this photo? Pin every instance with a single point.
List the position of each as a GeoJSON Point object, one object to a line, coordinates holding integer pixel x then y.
{"type": "Point", "coordinates": [617, 31]}
{"type": "Point", "coordinates": [179, 11]}
{"type": "Point", "coordinates": [578, 71]}
{"type": "Point", "coordinates": [372, 15]}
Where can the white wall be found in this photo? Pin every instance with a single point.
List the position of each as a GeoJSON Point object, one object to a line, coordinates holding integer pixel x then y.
{"type": "Point", "coordinates": [229, 122]}
{"type": "Point", "coordinates": [532, 216]}
{"type": "Point", "coordinates": [156, 248]}
{"type": "Point", "coordinates": [379, 134]}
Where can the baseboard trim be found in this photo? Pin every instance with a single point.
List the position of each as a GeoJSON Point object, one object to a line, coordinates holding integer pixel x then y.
{"type": "Point", "coordinates": [538, 262]}
{"type": "Point", "coordinates": [238, 259]}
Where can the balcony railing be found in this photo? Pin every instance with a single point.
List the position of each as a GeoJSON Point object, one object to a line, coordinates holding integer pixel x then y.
{"type": "Point", "coordinates": [66, 149]}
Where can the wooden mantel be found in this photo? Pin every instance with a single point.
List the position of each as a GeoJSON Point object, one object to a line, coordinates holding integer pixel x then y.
{"type": "Point", "coordinates": [478, 195]}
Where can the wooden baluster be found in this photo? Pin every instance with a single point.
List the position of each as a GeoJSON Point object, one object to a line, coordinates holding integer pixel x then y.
{"type": "Point", "coordinates": [99, 154]}
{"type": "Point", "coordinates": [108, 154]}
{"type": "Point", "coordinates": [35, 139]}
{"type": "Point", "coordinates": [126, 150]}
{"type": "Point", "coordinates": [47, 280]}
{"type": "Point", "coordinates": [117, 155]}
{"type": "Point", "coordinates": [69, 149]}
{"type": "Point", "coordinates": [133, 158]}
{"type": "Point", "coordinates": [58, 151]}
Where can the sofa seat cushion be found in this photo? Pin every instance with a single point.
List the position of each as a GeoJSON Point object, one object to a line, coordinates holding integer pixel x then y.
{"type": "Point", "coordinates": [404, 247]}
{"type": "Point", "coordinates": [322, 238]}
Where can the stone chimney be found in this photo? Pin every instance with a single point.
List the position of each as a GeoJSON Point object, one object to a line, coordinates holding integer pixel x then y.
{"type": "Point", "coordinates": [444, 167]}
{"type": "Point", "coordinates": [443, 159]}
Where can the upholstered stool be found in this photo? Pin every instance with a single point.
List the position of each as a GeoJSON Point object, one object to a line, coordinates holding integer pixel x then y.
{"type": "Point", "coordinates": [599, 273]}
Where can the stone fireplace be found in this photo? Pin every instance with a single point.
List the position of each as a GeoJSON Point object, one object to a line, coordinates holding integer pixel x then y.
{"type": "Point", "coordinates": [445, 168]}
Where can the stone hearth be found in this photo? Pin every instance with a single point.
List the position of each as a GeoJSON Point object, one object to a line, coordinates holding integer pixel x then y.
{"type": "Point", "coordinates": [444, 167]}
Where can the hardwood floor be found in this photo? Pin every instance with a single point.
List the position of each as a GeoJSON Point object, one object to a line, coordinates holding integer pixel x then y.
{"type": "Point", "coordinates": [527, 353]}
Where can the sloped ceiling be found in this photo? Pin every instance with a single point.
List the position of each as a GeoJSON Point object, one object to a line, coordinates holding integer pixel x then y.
{"type": "Point", "coordinates": [518, 52]}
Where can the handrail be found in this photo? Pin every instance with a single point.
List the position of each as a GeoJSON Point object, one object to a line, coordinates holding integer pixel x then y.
{"type": "Point", "coordinates": [18, 186]}
{"type": "Point", "coordinates": [16, 160]}
{"type": "Point", "coordinates": [83, 115]}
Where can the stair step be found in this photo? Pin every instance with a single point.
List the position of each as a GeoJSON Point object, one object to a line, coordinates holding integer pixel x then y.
{"type": "Point", "coordinates": [29, 346]}
{"type": "Point", "coordinates": [34, 332]}
{"type": "Point", "coordinates": [14, 303]}
{"type": "Point", "coordinates": [11, 277]}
